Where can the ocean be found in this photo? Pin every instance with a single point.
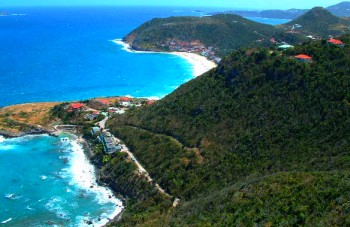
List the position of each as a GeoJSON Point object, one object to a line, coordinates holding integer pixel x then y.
{"type": "Point", "coordinates": [64, 54]}
{"type": "Point", "coordinates": [45, 181]}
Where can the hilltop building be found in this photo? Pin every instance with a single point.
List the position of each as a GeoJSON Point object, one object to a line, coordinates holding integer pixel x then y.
{"type": "Point", "coordinates": [303, 58]}
{"type": "Point", "coordinates": [335, 42]}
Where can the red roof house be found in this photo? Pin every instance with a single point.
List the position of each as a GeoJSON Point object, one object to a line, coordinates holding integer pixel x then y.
{"type": "Point", "coordinates": [76, 106]}
{"type": "Point", "coordinates": [303, 58]}
{"type": "Point", "coordinates": [151, 102]}
{"type": "Point", "coordinates": [335, 42]}
{"type": "Point", "coordinates": [125, 99]}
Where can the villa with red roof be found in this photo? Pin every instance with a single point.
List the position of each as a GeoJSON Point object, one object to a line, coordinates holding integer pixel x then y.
{"type": "Point", "coordinates": [77, 105]}
{"type": "Point", "coordinates": [335, 42]}
{"type": "Point", "coordinates": [151, 102]}
{"type": "Point", "coordinates": [303, 58]}
{"type": "Point", "coordinates": [125, 99]}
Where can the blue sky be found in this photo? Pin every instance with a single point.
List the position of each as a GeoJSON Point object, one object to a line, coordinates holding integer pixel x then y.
{"type": "Point", "coordinates": [240, 4]}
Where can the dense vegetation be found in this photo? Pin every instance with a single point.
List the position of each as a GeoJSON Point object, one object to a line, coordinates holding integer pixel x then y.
{"type": "Point", "coordinates": [227, 32]}
{"type": "Point", "coordinates": [320, 23]}
{"type": "Point", "coordinates": [223, 32]}
{"type": "Point", "coordinates": [261, 139]}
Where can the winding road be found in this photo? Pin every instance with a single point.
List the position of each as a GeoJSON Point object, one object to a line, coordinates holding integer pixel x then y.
{"type": "Point", "coordinates": [141, 169]}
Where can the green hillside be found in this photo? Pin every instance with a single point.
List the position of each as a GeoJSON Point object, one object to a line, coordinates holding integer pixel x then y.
{"type": "Point", "coordinates": [227, 32]}
{"type": "Point", "coordinates": [223, 32]}
{"type": "Point", "coordinates": [263, 139]}
{"type": "Point", "coordinates": [319, 22]}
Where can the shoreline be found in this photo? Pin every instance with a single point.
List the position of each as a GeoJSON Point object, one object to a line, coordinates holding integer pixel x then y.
{"type": "Point", "coordinates": [200, 64]}
{"type": "Point", "coordinates": [34, 132]}
{"type": "Point", "coordinates": [79, 143]}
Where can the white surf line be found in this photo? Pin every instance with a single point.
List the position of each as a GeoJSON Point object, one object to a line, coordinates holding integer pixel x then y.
{"type": "Point", "coordinates": [200, 64]}
{"type": "Point", "coordinates": [84, 176]}
{"type": "Point", "coordinates": [8, 220]}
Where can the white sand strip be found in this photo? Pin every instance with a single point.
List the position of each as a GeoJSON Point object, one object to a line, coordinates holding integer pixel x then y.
{"type": "Point", "coordinates": [199, 63]}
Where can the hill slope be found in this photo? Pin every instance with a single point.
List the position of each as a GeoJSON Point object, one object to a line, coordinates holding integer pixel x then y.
{"type": "Point", "coordinates": [319, 22]}
{"type": "Point", "coordinates": [262, 139]}
{"type": "Point", "coordinates": [227, 32]}
{"type": "Point", "coordinates": [224, 32]}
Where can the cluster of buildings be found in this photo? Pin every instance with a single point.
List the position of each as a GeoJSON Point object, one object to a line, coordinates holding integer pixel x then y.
{"type": "Point", "coordinates": [110, 146]}
{"type": "Point", "coordinates": [306, 58]}
{"type": "Point", "coordinates": [95, 107]}
{"type": "Point", "coordinates": [192, 47]}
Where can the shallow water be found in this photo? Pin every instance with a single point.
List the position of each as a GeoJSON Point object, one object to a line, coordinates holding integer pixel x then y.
{"type": "Point", "coordinates": [45, 181]}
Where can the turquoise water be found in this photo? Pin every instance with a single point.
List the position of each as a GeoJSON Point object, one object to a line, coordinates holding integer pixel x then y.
{"type": "Point", "coordinates": [62, 54]}
{"type": "Point", "coordinates": [48, 182]}
{"type": "Point", "coordinates": [271, 21]}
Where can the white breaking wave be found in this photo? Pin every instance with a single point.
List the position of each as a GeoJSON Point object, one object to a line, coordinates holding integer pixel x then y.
{"type": "Point", "coordinates": [7, 147]}
{"type": "Point", "coordinates": [55, 205]}
{"type": "Point", "coordinates": [8, 220]}
{"type": "Point", "coordinates": [84, 176]}
{"type": "Point", "coordinates": [2, 139]}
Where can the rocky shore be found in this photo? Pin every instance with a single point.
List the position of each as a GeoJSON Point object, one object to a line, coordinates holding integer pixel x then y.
{"type": "Point", "coordinates": [35, 131]}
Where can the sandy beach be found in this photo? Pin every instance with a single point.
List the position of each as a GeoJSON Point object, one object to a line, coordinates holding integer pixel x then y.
{"type": "Point", "coordinates": [200, 63]}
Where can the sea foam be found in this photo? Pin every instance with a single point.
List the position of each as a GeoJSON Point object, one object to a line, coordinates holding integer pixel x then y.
{"type": "Point", "coordinates": [84, 176]}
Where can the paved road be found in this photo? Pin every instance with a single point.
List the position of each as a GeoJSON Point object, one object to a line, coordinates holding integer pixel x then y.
{"type": "Point", "coordinates": [102, 123]}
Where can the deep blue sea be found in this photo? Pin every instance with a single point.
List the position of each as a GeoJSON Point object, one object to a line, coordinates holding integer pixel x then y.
{"type": "Point", "coordinates": [63, 54]}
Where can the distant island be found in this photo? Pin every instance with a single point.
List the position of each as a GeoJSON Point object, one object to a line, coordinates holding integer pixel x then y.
{"type": "Point", "coordinates": [341, 10]}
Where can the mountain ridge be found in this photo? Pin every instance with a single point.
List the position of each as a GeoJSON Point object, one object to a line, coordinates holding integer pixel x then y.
{"type": "Point", "coordinates": [319, 22]}
{"type": "Point", "coordinates": [341, 10]}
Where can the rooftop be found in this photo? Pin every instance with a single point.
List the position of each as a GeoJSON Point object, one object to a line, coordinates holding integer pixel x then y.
{"type": "Point", "coordinates": [303, 56]}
